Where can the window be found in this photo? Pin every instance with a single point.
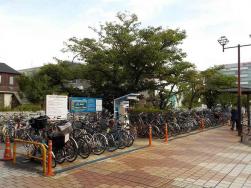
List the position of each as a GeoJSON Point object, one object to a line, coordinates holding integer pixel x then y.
{"type": "Point", "coordinates": [244, 75]}
{"type": "Point", "coordinates": [236, 68]}
{"type": "Point", "coordinates": [242, 83]}
{"type": "Point", "coordinates": [11, 80]}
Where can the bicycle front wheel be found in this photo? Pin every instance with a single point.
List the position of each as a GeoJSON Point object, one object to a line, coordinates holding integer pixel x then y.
{"type": "Point", "coordinates": [99, 144]}
{"type": "Point", "coordinates": [83, 148]}
{"type": "Point", "coordinates": [71, 150]}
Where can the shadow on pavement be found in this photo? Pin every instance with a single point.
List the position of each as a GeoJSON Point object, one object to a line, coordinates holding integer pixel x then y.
{"type": "Point", "coordinates": [23, 164]}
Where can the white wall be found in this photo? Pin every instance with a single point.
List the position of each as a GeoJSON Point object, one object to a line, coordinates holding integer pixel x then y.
{"type": "Point", "coordinates": [7, 100]}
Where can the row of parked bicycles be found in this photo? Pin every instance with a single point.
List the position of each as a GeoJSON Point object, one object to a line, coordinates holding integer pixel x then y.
{"type": "Point", "coordinates": [70, 138]}
{"type": "Point", "coordinates": [96, 133]}
{"type": "Point", "coordinates": [178, 122]}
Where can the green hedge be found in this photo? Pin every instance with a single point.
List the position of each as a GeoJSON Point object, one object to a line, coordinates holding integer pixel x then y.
{"type": "Point", "coordinates": [24, 107]}
{"type": "Point", "coordinates": [147, 109]}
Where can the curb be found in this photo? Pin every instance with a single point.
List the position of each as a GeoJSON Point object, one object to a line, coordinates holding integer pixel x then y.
{"type": "Point", "coordinates": [195, 132]}
{"type": "Point", "coordinates": [97, 160]}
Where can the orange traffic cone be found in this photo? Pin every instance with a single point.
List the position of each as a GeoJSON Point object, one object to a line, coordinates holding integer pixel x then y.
{"type": "Point", "coordinates": [7, 152]}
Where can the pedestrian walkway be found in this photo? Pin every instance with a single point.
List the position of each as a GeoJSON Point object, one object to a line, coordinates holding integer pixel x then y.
{"type": "Point", "coordinates": [213, 158]}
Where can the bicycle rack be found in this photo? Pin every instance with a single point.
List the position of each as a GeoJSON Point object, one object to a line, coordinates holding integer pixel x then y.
{"type": "Point", "coordinates": [43, 158]}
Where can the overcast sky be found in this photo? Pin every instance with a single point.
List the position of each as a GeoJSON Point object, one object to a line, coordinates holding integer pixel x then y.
{"type": "Point", "coordinates": [32, 32]}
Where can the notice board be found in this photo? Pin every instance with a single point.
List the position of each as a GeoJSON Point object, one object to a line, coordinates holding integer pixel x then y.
{"type": "Point", "coordinates": [56, 106]}
{"type": "Point", "coordinates": [85, 104]}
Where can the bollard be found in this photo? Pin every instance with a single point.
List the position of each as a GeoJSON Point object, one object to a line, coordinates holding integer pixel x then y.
{"type": "Point", "coordinates": [14, 152]}
{"type": "Point", "coordinates": [203, 123]}
{"type": "Point", "coordinates": [166, 133]}
{"type": "Point", "coordinates": [150, 135]}
{"type": "Point", "coordinates": [7, 151]}
{"type": "Point", "coordinates": [49, 160]}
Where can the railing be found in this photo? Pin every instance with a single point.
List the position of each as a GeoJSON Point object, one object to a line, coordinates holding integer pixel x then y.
{"type": "Point", "coordinates": [36, 144]}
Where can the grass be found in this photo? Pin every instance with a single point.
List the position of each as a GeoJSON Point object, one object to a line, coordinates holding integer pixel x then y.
{"type": "Point", "coordinates": [23, 107]}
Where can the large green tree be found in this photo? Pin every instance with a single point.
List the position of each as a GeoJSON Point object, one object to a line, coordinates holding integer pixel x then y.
{"type": "Point", "coordinates": [172, 79]}
{"type": "Point", "coordinates": [51, 79]}
{"type": "Point", "coordinates": [214, 81]}
{"type": "Point", "coordinates": [193, 89]}
{"type": "Point", "coordinates": [35, 88]}
{"type": "Point", "coordinates": [125, 57]}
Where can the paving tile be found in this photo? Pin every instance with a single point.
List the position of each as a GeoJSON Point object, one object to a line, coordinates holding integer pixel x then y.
{"type": "Point", "coordinates": [236, 185]}
{"type": "Point", "coordinates": [212, 158]}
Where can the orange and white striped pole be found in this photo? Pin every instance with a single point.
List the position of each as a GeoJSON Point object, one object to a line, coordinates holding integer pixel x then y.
{"type": "Point", "coordinates": [166, 133]}
{"type": "Point", "coordinates": [49, 168]}
{"type": "Point", "coordinates": [150, 135]}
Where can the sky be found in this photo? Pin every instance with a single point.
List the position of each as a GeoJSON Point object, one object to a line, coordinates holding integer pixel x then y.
{"type": "Point", "coordinates": [33, 32]}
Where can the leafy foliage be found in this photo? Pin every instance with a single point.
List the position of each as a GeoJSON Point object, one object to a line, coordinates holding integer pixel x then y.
{"type": "Point", "coordinates": [214, 82]}
{"type": "Point", "coordinates": [50, 79]}
{"type": "Point", "coordinates": [193, 89]}
{"type": "Point", "coordinates": [126, 58]}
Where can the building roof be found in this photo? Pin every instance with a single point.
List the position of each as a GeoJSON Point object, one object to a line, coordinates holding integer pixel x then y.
{"type": "Point", "coordinates": [29, 69]}
{"type": "Point", "coordinates": [7, 69]}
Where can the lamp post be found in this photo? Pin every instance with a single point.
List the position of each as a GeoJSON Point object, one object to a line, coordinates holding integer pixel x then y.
{"type": "Point", "coordinates": [223, 42]}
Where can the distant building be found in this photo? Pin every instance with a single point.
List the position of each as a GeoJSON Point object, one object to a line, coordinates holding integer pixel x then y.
{"type": "Point", "coordinates": [81, 84]}
{"type": "Point", "coordinates": [29, 71]}
{"type": "Point", "coordinates": [8, 86]}
{"type": "Point", "coordinates": [232, 69]}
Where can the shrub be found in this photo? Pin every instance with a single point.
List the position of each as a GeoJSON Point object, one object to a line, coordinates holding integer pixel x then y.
{"type": "Point", "coordinates": [5, 109]}
{"type": "Point", "coordinates": [28, 107]}
{"type": "Point", "coordinates": [146, 109]}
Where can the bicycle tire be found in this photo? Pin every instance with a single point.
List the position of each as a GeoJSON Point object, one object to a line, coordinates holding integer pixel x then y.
{"type": "Point", "coordinates": [99, 144]}
{"type": "Point", "coordinates": [112, 144]}
{"type": "Point", "coordinates": [71, 150]}
{"type": "Point", "coordinates": [83, 148]}
{"type": "Point", "coordinates": [122, 140]}
{"type": "Point", "coordinates": [130, 140]}
{"type": "Point", "coordinates": [59, 156]}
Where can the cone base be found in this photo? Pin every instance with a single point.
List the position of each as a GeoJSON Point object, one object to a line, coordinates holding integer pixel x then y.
{"type": "Point", "coordinates": [50, 174]}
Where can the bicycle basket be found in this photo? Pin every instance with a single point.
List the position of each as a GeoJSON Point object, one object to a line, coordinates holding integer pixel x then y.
{"type": "Point", "coordinates": [65, 128]}
{"type": "Point", "coordinates": [38, 123]}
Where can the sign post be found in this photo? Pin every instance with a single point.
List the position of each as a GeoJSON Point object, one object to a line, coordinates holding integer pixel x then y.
{"type": "Point", "coordinates": [124, 101]}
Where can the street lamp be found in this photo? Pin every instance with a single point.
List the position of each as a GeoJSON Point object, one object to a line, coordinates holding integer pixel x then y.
{"type": "Point", "coordinates": [223, 42]}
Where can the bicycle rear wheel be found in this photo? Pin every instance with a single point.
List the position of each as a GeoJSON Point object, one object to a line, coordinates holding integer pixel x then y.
{"type": "Point", "coordinates": [59, 156]}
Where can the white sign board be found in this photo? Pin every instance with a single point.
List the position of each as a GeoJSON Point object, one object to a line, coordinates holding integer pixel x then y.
{"type": "Point", "coordinates": [56, 106]}
{"type": "Point", "coordinates": [98, 105]}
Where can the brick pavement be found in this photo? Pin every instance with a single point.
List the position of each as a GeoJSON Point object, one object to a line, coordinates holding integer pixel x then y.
{"type": "Point", "coordinates": [213, 158]}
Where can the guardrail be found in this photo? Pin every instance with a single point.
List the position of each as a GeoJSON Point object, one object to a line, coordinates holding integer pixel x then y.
{"type": "Point", "coordinates": [36, 144]}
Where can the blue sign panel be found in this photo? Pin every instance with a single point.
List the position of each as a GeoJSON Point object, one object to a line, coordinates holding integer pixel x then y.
{"type": "Point", "coordinates": [83, 104]}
